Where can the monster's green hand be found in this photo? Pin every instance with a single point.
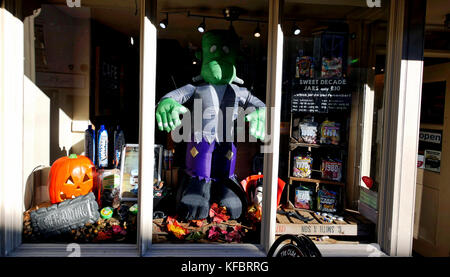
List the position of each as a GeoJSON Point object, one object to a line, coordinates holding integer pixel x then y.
{"type": "Point", "coordinates": [168, 114]}
{"type": "Point", "coordinates": [257, 121]}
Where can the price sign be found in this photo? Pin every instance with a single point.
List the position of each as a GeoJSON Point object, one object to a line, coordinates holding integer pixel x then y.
{"type": "Point", "coordinates": [321, 96]}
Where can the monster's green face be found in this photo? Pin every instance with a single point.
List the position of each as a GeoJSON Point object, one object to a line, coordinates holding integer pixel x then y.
{"type": "Point", "coordinates": [219, 53]}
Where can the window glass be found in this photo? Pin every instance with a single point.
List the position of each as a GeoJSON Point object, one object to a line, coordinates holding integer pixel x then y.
{"type": "Point", "coordinates": [81, 122]}
{"type": "Point", "coordinates": [332, 103]}
{"type": "Point", "coordinates": [211, 73]}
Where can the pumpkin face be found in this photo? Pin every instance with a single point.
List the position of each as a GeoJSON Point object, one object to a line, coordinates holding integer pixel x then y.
{"type": "Point", "coordinates": [70, 177]}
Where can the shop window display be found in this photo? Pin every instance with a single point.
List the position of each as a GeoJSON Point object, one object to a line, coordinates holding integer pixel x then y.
{"type": "Point", "coordinates": [210, 196]}
{"type": "Point", "coordinates": [331, 71]}
{"type": "Point", "coordinates": [83, 111]}
{"type": "Point", "coordinates": [207, 188]}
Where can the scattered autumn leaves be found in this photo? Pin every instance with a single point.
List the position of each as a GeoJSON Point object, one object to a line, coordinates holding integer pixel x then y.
{"type": "Point", "coordinates": [175, 228]}
{"type": "Point", "coordinates": [217, 215]}
{"type": "Point", "coordinates": [254, 213]}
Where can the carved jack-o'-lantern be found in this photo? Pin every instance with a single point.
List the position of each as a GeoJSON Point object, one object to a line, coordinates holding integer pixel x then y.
{"type": "Point", "coordinates": [70, 177]}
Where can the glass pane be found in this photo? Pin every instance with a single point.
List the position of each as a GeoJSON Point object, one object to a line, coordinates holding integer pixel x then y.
{"type": "Point", "coordinates": [211, 68]}
{"type": "Point", "coordinates": [81, 122]}
{"type": "Point", "coordinates": [333, 91]}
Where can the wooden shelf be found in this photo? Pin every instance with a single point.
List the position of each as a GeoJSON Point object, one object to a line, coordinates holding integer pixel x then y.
{"type": "Point", "coordinates": [318, 151]}
{"type": "Point", "coordinates": [293, 143]}
{"type": "Point", "coordinates": [320, 181]}
{"type": "Point", "coordinates": [352, 225]}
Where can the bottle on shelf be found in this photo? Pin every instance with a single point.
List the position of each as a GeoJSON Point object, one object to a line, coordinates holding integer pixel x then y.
{"type": "Point", "coordinates": [89, 144]}
{"type": "Point", "coordinates": [102, 148]}
{"type": "Point", "coordinates": [119, 143]}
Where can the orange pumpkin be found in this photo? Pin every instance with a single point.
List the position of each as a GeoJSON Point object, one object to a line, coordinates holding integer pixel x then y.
{"type": "Point", "coordinates": [70, 177]}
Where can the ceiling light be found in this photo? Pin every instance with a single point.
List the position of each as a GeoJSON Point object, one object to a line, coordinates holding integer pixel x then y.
{"type": "Point", "coordinates": [296, 30]}
{"type": "Point", "coordinates": [202, 27]}
{"type": "Point", "coordinates": [231, 13]}
{"type": "Point", "coordinates": [165, 22]}
{"type": "Point", "coordinates": [257, 32]}
{"type": "Point", "coordinates": [131, 40]}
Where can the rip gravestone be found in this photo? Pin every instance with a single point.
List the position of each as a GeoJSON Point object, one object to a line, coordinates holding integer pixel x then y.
{"type": "Point", "coordinates": [65, 216]}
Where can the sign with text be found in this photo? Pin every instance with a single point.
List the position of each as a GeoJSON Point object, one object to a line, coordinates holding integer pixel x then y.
{"type": "Point", "coordinates": [321, 229]}
{"type": "Point", "coordinates": [433, 160]}
{"type": "Point", "coordinates": [321, 96]}
{"type": "Point", "coordinates": [431, 136]}
{"type": "Point", "coordinates": [430, 147]}
{"type": "Point", "coordinates": [289, 251]}
{"type": "Point", "coordinates": [65, 216]}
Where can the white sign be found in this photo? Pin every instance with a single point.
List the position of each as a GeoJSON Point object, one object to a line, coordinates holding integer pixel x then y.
{"type": "Point", "coordinates": [430, 137]}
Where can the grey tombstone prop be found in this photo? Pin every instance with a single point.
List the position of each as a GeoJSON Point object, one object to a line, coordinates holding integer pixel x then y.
{"type": "Point", "coordinates": [65, 216]}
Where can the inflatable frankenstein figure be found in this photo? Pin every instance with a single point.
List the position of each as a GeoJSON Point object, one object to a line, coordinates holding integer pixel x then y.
{"type": "Point", "coordinates": [210, 159]}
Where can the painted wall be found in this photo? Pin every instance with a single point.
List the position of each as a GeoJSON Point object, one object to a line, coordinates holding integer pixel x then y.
{"type": "Point", "coordinates": [56, 92]}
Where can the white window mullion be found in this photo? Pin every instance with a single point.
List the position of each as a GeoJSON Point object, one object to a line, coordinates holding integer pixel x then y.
{"type": "Point", "coordinates": [401, 127]}
{"type": "Point", "coordinates": [273, 103]}
{"type": "Point", "coordinates": [146, 126]}
{"type": "Point", "coordinates": [11, 131]}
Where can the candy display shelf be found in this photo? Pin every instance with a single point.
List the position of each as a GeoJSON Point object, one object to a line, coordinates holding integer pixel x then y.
{"type": "Point", "coordinates": [318, 151]}
{"type": "Point", "coordinates": [316, 181]}
{"type": "Point", "coordinates": [294, 144]}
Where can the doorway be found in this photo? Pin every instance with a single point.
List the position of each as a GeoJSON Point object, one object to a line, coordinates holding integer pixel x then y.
{"type": "Point", "coordinates": [432, 217]}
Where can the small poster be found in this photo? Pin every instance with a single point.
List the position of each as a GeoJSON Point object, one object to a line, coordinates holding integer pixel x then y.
{"type": "Point", "coordinates": [433, 160]}
{"type": "Point", "coordinates": [321, 96]}
{"type": "Point", "coordinates": [430, 147]}
{"type": "Point", "coordinates": [420, 161]}
{"type": "Point", "coordinates": [129, 173]}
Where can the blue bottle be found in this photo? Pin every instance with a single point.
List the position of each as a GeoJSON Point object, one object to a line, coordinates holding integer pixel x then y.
{"type": "Point", "coordinates": [89, 144]}
{"type": "Point", "coordinates": [102, 148]}
{"type": "Point", "coordinates": [119, 143]}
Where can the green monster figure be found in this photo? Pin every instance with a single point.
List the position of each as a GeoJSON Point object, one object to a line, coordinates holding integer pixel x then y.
{"type": "Point", "coordinates": [209, 158]}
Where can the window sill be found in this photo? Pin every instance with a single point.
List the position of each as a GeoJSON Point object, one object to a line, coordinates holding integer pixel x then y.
{"type": "Point", "coordinates": [350, 250]}
{"type": "Point", "coordinates": [183, 250]}
{"type": "Point", "coordinates": [86, 250]}
{"type": "Point", "coordinates": [209, 250]}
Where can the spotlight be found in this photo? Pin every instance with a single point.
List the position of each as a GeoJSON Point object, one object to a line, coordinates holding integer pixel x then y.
{"type": "Point", "coordinates": [257, 32]}
{"type": "Point", "coordinates": [202, 27]}
{"type": "Point", "coordinates": [163, 23]}
{"type": "Point", "coordinates": [296, 30]}
{"type": "Point", "coordinates": [131, 40]}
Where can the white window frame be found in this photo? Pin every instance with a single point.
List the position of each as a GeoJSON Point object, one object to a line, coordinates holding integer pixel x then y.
{"type": "Point", "coordinates": [403, 85]}
{"type": "Point", "coordinates": [11, 137]}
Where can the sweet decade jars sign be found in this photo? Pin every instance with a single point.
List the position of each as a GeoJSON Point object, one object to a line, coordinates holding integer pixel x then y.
{"type": "Point", "coordinates": [321, 96]}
